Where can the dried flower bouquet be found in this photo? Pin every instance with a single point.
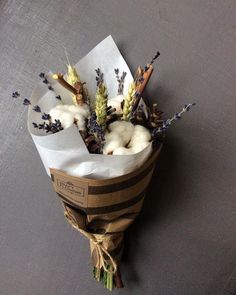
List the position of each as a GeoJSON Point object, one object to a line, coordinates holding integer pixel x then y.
{"type": "Point", "coordinates": [99, 140]}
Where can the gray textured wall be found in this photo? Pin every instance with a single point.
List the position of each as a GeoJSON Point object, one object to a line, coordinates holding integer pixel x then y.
{"type": "Point", "coordinates": [184, 242]}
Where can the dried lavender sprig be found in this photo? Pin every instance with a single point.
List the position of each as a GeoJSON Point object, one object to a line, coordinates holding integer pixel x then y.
{"type": "Point", "coordinates": [51, 127]}
{"type": "Point", "coordinates": [15, 94]}
{"type": "Point", "coordinates": [45, 81]}
{"type": "Point", "coordinates": [155, 57]}
{"type": "Point", "coordinates": [152, 61]}
{"type": "Point", "coordinates": [120, 80]}
{"type": "Point", "coordinates": [168, 122]}
{"type": "Point", "coordinates": [97, 130]}
{"type": "Point", "coordinates": [26, 102]}
{"type": "Point", "coordinates": [46, 116]}
{"type": "Point", "coordinates": [99, 77]}
{"type": "Point", "coordinates": [42, 75]}
{"type": "Point", "coordinates": [48, 127]}
{"type": "Point", "coordinates": [37, 109]}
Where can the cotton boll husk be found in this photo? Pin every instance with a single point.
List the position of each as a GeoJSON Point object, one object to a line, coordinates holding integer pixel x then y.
{"type": "Point", "coordinates": [140, 134]}
{"type": "Point", "coordinates": [115, 102]}
{"type": "Point", "coordinates": [123, 151]}
{"type": "Point", "coordinates": [124, 129]}
{"type": "Point", "coordinates": [112, 141]}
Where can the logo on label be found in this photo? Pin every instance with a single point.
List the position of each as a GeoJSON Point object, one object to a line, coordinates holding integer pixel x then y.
{"type": "Point", "coordinates": [70, 188]}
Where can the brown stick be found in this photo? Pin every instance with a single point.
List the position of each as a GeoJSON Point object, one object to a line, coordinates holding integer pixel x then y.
{"type": "Point", "coordinates": [140, 86]}
{"type": "Point", "coordinates": [60, 79]}
{"type": "Point", "coordinates": [146, 76]}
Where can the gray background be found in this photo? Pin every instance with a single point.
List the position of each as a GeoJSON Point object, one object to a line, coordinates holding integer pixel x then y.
{"type": "Point", "coordinates": [184, 241]}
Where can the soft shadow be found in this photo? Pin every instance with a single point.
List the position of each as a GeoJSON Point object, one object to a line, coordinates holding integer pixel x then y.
{"type": "Point", "coordinates": [159, 200]}
{"type": "Point", "coordinates": [156, 205]}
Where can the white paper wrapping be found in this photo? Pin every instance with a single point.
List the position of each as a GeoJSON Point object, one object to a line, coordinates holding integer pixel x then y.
{"type": "Point", "coordinates": [66, 149]}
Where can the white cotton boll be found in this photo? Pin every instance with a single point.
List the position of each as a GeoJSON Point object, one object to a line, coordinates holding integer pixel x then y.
{"type": "Point", "coordinates": [67, 114]}
{"type": "Point", "coordinates": [110, 136]}
{"type": "Point", "coordinates": [115, 102]}
{"type": "Point", "coordinates": [123, 151]}
{"type": "Point", "coordinates": [84, 110]}
{"type": "Point", "coordinates": [112, 141]}
{"type": "Point", "coordinates": [140, 134]}
{"type": "Point", "coordinates": [80, 121]}
{"type": "Point", "coordinates": [124, 129]}
{"type": "Point", "coordinates": [66, 119]}
{"type": "Point", "coordinates": [139, 147]}
{"type": "Point", "coordinates": [55, 114]}
{"type": "Point", "coordinates": [73, 109]}
{"type": "Point", "coordinates": [62, 107]}
{"type": "Point", "coordinates": [60, 112]}
{"type": "Point", "coordinates": [79, 109]}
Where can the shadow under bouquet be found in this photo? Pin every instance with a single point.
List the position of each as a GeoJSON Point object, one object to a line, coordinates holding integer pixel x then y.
{"type": "Point", "coordinates": [99, 140]}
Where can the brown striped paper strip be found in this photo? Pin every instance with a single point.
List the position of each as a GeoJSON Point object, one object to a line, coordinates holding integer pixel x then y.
{"type": "Point", "coordinates": [102, 209]}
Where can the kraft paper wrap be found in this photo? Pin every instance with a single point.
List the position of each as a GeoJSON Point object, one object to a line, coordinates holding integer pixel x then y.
{"type": "Point", "coordinates": [102, 209]}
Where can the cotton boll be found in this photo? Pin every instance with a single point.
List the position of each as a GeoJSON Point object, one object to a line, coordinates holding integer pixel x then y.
{"type": "Point", "coordinates": [110, 136]}
{"type": "Point", "coordinates": [140, 134]}
{"type": "Point", "coordinates": [124, 129]}
{"type": "Point", "coordinates": [62, 107]}
{"type": "Point", "coordinates": [79, 109]}
{"type": "Point", "coordinates": [139, 147]}
{"type": "Point", "coordinates": [60, 113]}
{"type": "Point", "coordinates": [55, 113]}
{"type": "Point", "coordinates": [67, 114]}
{"type": "Point", "coordinates": [112, 141]}
{"type": "Point", "coordinates": [72, 109]}
{"type": "Point", "coordinates": [66, 119]}
{"type": "Point", "coordinates": [80, 121]}
{"type": "Point", "coordinates": [123, 151]}
{"type": "Point", "coordinates": [115, 102]}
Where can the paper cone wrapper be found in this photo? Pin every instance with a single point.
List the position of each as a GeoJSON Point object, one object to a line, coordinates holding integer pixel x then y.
{"type": "Point", "coordinates": [66, 150]}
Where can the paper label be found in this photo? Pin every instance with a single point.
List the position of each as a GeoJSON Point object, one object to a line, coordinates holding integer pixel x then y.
{"type": "Point", "coordinates": [70, 189]}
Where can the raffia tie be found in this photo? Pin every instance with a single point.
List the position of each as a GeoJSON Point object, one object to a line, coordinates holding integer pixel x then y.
{"type": "Point", "coordinates": [97, 241]}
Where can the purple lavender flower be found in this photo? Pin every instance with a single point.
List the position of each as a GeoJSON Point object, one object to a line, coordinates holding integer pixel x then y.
{"type": "Point", "coordinates": [99, 77]}
{"type": "Point", "coordinates": [41, 126]}
{"type": "Point", "coordinates": [120, 80]}
{"type": "Point", "coordinates": [26, 102]}
{"type": "Point", "coordinates": [42, 75]}
{"type": "Point", "coordinates": [37, 109]}
{"type": "Point", "coordinates": [15, 94]}
{"type": "Point", "coordinates": [45, 116]}
{"type": "Point", "coordinates": [50, 88]}
{"type": "Point", "coordinates": [157, 131]}
{"type": "Point", "coordinates": [45, 81]}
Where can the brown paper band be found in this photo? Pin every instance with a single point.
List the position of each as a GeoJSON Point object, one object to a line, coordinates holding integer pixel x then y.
{"type": "Point", "coordinates": [105, 209]}
{"type": "Point", "coordinates": [104, 196]}
{"type": "Point", "coordinates": [110, 188]}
